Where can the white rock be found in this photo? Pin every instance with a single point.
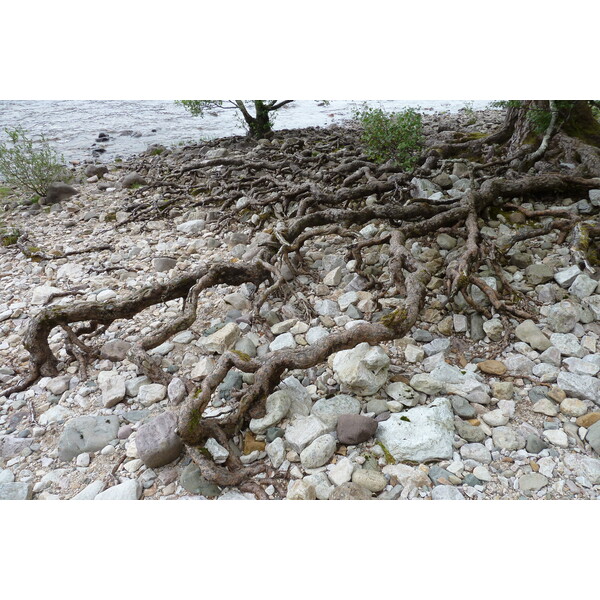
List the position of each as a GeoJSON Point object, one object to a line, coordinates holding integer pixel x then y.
{"type": "Point", "coordinates": [427, 435]}
{"type": "Point", "coordinates": [341, 471]}
{"type": "Point", "coordinates": [90, 491]}
{"type": "Point", "coordinates": [276, 452]}
{"type": "Point", "coordinates": [318, 452]}
{"type": "Point", "coordinates": [218, 452]}
{"type": "Point", "coordinates": [221, 340]}
{"type": "Point", "coordinates": [557, 437]}
{"type": "Point", "coordinates": [284, 341]}
{"type": "Point", "coordinates": [361, 370]}
{"type": "Point", "coordinates": [303, 430]}
{"type": "Point", "coordinates": [151, 393]}
{"type": "Point", "coordinates": [204, 367]}
{"type": "Point", "coordinates": [112, 386]}
{"type": "Point", "coordinates": [128, 490]}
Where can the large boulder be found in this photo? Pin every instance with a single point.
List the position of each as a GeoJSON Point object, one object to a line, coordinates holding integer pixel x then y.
{"type": "Point", "coordinates": [57, 192]}
{"type": "Point", "coordinates": [420, 434]}
{"type": "Point", "coordinates": [361, 370]}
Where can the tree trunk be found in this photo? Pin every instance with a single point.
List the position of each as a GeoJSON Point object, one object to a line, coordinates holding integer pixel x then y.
{"type": "Point", "coordinates": [260, 126]}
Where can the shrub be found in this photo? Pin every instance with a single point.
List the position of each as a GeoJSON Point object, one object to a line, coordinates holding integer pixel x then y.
{"type": "Point", "coordinates": [391, 136]}
{"type": "Point", "coordinates": [30, 166]}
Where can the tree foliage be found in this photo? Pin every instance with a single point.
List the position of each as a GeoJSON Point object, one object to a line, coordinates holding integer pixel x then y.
{"type": "Point", "coordinates": [395, 136]}
{"type": "Point", "coordinates": [30, 166]}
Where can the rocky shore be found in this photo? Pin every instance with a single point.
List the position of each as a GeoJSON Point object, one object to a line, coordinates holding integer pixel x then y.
{"type": "Point", "coordinates": [460, 408]}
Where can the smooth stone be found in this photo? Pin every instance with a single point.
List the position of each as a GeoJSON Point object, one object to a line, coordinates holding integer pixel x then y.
{"type": "Point", "coordinates": [151, 393]}
{"type": "Point", "coordinates": [128, 490]}
{"type": "Point", "coordinates": [470, 433]}
{"type": "Point", "coordinates": [573, 407]}
{"type": "Point", "coordinates": [301, 490]}
{"type": "Point", "coordinates": [355, 429]}
{"type": "Point", "coordinates": [492, 367]}
{"type": "Point", "coordinates": [318, 452]}
{"type": "Point", "coordinates": [593, 437]}
{"type": "Point", "coordinates": [531, 334]}
{"type": "Point", "coordinates": [374, 481]}
{"type": "Point", "coordinates": [535, 444]}
{"type": "Point", "coordinates": [113, 388]}
{"type": "Point", "coordinates": [87, 434]}
{"type": "Point", "coordinates": [192, 481]}
{"type": "Point", "coordinates": [532, 482]}
{"type": "Point", "coordinates": [277, 407]}
{"type": "Point", "coordinates": [507, 438]}
{"type": "Point", "coordinates": [16, 490]}
{"type": "Point", "coordinates": [90, 491]}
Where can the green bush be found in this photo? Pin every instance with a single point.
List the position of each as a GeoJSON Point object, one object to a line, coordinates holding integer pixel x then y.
{"type": "Point", "coordinates": [391, 136]}
{"type": "Point", "coordinates": [30, 166]}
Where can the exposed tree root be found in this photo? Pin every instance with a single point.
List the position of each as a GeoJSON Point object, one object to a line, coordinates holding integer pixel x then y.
{"type": "Point", "coordinates": [306, 199]}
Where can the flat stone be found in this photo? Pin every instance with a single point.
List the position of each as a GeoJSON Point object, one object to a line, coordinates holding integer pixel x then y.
{"type": "Point", "coordinates": [583, 466]}
{"type": "Point", "coordinates": [563, 317]}
{"type": "Point", "coordinates": [285, 341]}
{"type": "Point", "coordinates": [538, 273]}
{"type": "Point", "coordinates": [128, 490]}
{"type": "Point", "coordinates": [204, 367]}
{"type": "Point", "coordinates": [503, 390]}
{"type": "Point", "coordinates": [192, 227]}
{"type": "Point", "coordinates": [567, 344]}
{"type": "Point", "coordinates": [492, 367]}
{"type": "Point", "coordinates": [162, 264]}
{"type": "Point", "coordinates": [545, 406]}
{"type": "Point", "coordinates": [557, 437]}
{"type": "Point", "coordinates": [87, 434]}
{"type": "Point", "coordinates": [151, 393]}
{"type": "Point", "coordinates": [446, 492]}
{"type": "Point", "coordinates": [588, 420]}
{"type": "Point", "coordinates": [583, 286]}
{"type": "Point", "coordinates": [535, 444]}
{"type": "Point", "coordinates": [532, 482]}
{"type": "Point", "coordinates": [477, 452]}
{"type": "Point", "coordinates": [156, 441]}
{"type": "Point", "coordinates": [470, 433]}
{"type": "Point", "coordinates": [421, 433]}
{"type": "Point", "coordinates": [593, 437]}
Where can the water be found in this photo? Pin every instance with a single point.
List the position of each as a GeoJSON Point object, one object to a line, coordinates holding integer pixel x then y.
{"type": "Point", "coordinates": [73, 125]}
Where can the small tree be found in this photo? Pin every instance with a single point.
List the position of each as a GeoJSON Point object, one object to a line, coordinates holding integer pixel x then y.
{"type": "Point", "coordinates": [28, 166]}
{"type": "Point", "coordinates": [259, 124]}
{"type": "Point", "coordinates": [391, 136]}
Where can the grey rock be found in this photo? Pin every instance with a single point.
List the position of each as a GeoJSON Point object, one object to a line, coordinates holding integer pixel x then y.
{"type": "Point", "coordinates": [232, 381]}
{"type": "Point", "coordinates": [220, 340]}
{"type": "Point", "coordinates": [57, 192]}
{"type": "Point", "coordinates": [115, 350]}
{"type": "Point", "coordinates": [277, 407]}
{"type": "Point", "coordinates": [567, 344]}
{"type": "Point", "coordinates": [583, 387]}
{"type": "Point", "coordinates": [562, 317]}
{"type": "Point", "coordinates": [113, 388]}
{"type": "Point", "coordinates": [476, 327]}
{"type": "Point", "coordinates": [132, 179]}
{"type": "Point", "coordinates": [535, 444]}
{"type": "Point", "coordinates": [176, 390]}
{"type": "Point", "coordinates": [593, 437]}
{"type": "Point", "coordinates": [191, 480]}
{"type": "Point", "coordinates": [128, 490]}
{"type": "Point", "coordinates": [462, 408]}
{"type": "Point", "coordinates": [321, 484]}
{"type": "Point", "coordinates": [87, 434]}
{"type": "Point", "coordinates": [132, 386]}
{"type": "Point", "coordinates": [583, 286]}
{"type": "Point", "coordinates": [446, 492]}
{"type": "Point", "coordinates": [538, 273]}
{"type": "Point", "coordinates": [151, 393]}
{"type": "Point", "coordinates": [531, 334]}
{"type": "Point", "coordinates": [470, 433]}
{"type": "Point", "coordinates": [329, 409]}
{"type": "Point", "coordinates": [17, 490]}
{"type": "Point", "coordinates": [477, 452]}
{"type": "Point", "coordinates": [285, 341]}
{"type": "Point", "coordinates": [89, 492]}
{"type": "Point", "coordinates": [566, 277]}
{"type": "Point", "coordinates": [162, 264]}
{"type": "Point", "coordinates": [276, 452]}
{"type": "Point", "coordinates": [532, 482]}
{"type": "Point", "coordinates": [584, 466]}
{"type": "Point", "coordinates": [507, 438]}
{"type": "Point", "coordinates": [374, 481]}
{"type": "Point", "coordinates": [156, 441]}
{"type": "Point", "coordinates": [426, 435]}
{"type": "Point", "coordinates": [191, 227]}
